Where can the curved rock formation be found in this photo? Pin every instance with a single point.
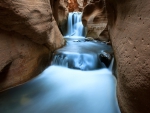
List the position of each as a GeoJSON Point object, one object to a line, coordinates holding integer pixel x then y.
{"type": "Point", "coordinates": [129, 27]}
{"type": "Point", "coordinates": [60, 11]}
{"type": "Point", "coordinates": [94, 18]}
{"type": "Point", "coordinates": [28, 33]}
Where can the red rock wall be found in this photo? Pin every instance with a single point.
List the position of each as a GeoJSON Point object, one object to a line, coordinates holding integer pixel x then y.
{"type": "Point", "coordinates": [76, 5]}
{"type": "Point", "coordinates": [28, 35]}
{"type": "Point", "coordinates": [129, 29]}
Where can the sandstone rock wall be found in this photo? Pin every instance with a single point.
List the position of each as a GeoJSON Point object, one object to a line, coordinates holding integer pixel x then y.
{"type": "Point", "coordinates": [60, 11]}
{"type": "Point", "coordinates": [129, 28]}
{"type": "Point", "coordinates": [20, 59]}
{"type": "Point", "coordinates": [94, 18]}
{"type": "Point", "coordinates": [28, 33]}
{"type": "Point", "coordinates": [31, 18]}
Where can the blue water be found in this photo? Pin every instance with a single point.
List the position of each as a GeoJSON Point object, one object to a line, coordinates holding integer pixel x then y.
{"type": "Point", "coordinates": [63, 90]}
{"type": "Point", "coordinates": [74, 25]}
{"type": "Point", "coordinates": [81, 54]}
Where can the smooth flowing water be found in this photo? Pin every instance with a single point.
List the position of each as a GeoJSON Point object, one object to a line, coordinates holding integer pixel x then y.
{"type": "Point", "coordinates": [64, 87]}
{"type": "Point", "coordinates": [74, 25]}
{"type": "Point", "coordinates": [63, 90]}
{"type": "Point", "coordinates": [81, 54]}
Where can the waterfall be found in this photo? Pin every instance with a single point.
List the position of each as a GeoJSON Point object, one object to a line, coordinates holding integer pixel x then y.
{"type": "Point", "coordinates": [75, 27]}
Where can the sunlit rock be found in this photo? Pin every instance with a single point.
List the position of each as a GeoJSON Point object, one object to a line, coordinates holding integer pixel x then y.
{"type": "Point", "coordinates": [76, 5]}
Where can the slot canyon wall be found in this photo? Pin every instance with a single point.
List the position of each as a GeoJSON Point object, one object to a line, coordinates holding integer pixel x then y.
{"type": "Point", "coordinates": [129, 28]}
{"type": "Point", "coordinates": [60, 11]}
{"type": "Point", "coordinates": [94, 18]}
{"type": "Point", "coordinates": [28, 35]}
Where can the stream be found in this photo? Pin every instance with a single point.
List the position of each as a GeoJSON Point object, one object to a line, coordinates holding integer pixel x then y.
{"type": "Point", "coordinates": [79, 79]}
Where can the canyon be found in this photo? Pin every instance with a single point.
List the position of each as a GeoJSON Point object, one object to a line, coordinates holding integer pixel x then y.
{"type": "Point", "coordinates": [30, 31]}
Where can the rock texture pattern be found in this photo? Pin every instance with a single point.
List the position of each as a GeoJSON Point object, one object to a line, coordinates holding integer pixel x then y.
{"type": "Point", "coordinates": [21, 59]}
{"type": "Point", "coordinates": [129, 27]}
{"type": "Point", "coordinates": [60, 11]}
{"type": "Point", "coordinates": [94, 18]}
{"type": "Point", "coordinates": [31, 18]}
{"type": "Point", "coordinates": [28, 33]}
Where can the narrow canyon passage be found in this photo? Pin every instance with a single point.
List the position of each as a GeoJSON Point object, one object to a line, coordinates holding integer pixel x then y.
{"type": "Point", "coordinates": [79, 80]}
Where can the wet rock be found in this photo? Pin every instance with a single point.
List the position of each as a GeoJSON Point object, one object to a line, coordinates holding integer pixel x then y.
{"type": "Point", "coordinates": [76, 41]}
{"type": "Point", "coordinates": [106, 58]}
{"type": "Point", "coordinates": [89, 39]}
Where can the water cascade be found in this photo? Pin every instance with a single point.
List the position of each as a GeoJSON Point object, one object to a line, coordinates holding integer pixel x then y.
{"type": "Point", "coordinates": [64, 87]}
{"type": "Point", "coordinates": [74, 25]}
{"type": "Point", "coordinates": [83, 55]}
{"type": "Point", "coordinates": [79, 52]}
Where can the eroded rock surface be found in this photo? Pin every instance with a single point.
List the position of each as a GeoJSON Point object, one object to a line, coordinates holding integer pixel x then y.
{"type": "Point", "coordinates": [94, 18]}
{"type": "Point", "coordinates": [31, 18]}
{"type": "Point", "coordinates": [60, 11]}
{"type": "Point", "coordinates": [28, 33]}
{"type": "Point", "coordinates": [129, 26]}
{"type": "Point", "coordinates": [21, 59]}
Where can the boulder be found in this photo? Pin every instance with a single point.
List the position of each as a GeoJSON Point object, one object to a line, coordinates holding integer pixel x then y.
{"type": "Point", "coordinates": [129, 26]}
